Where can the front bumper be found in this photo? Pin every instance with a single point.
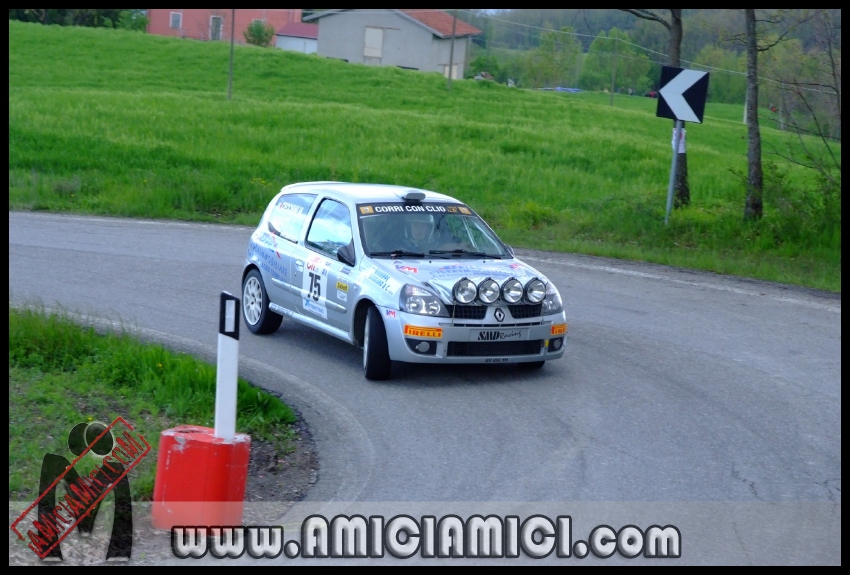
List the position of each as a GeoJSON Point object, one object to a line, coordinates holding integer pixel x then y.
{"type": "Point", "coordinates": [423, 339]}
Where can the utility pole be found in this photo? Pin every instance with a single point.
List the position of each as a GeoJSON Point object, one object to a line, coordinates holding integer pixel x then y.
{"type": "Point", "coordinates": [232, 33]}
{"type": "Point", "coordinates": [452, 48]}
{"type": "Point", "coordinates": [614, 72]}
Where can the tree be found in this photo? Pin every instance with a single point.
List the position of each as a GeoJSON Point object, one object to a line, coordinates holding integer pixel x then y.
{"type": "Point", "coordinates": [726, 88]}
{"type": "Point", "coordinates": [259, 33]}
{"type": "Point", "coordinates": [753, 205]}
{"type": "Point", "coordinates": [674, 27]}
{"type": "Point", "coordinates": [596, 70]}
{"type": "Point", "coordinates": [632, 64]}
{"type": "Point", "coordinates": [760, 35]}
{"type": "Point", "coordinates": [135, 20]}
{"type": "Point", "coordinates": [551, 63]}
{"type": "Point", "coordinates": [809, 99]}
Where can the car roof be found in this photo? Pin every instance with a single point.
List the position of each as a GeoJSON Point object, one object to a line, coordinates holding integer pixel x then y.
{"type": "Point", "coordinates": [362, 192]}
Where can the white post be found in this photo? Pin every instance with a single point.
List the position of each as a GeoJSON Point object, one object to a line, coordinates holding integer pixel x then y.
{"type": "Point", "coordinates": [227, 369]}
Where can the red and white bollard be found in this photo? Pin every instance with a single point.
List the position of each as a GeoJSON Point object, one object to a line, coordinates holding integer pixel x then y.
{"type": "Point", "coordinates": [201, 472]}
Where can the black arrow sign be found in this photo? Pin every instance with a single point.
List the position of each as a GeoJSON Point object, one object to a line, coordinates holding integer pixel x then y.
{"type": "Point", "coordinates": [682, 94]}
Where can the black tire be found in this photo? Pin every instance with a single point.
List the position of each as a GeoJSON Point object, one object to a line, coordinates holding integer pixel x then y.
{"type": "Point", "coordinates": [376, 352]}
{"type": "Point", "coordinates": [255, 305]}
{"type": "Point", "coordinates": [532, 364]}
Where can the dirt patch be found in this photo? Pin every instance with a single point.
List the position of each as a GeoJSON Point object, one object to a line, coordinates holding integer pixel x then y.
{"type": "Point", "coordinates": [275, 482]}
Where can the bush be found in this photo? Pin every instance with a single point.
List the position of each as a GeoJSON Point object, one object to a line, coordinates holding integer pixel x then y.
{"type": "Point", "coordinates": [259, 33]}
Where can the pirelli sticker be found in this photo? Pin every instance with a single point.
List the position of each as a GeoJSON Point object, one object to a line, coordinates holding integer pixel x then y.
{"type": "Point", "coordinates": [407, 208]}
{"type": "Point", "coordinates": [427, 332]}
{"type": "Point", "coordinates": [559, 329]}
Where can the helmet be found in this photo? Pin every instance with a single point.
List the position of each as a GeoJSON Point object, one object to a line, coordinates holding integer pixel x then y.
{"type": "Point", "coordinates": [418, 218]}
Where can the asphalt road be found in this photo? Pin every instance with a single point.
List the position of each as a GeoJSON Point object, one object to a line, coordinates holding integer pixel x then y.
{"type": "Point", "coordinates": [687, 398]}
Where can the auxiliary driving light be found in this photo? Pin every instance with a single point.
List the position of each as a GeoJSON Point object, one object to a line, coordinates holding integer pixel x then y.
{"type": "Point", "coordinates": [535, 291]}
{"type": "Point", "coordinates": [512, 290]}
{"type": "Point", "coordinates": [464, 291]}
{"type": "Point", "coordinates": [488, 291]}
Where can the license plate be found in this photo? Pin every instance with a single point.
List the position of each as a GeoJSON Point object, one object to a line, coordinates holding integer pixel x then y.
{"type": "Point", "coordinates": [498, 334]}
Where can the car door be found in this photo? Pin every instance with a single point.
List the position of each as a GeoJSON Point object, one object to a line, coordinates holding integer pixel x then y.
{"type": "Point", "coordinates": [285, 224]}
{"type": "Point", "coordinates": [324, 287]}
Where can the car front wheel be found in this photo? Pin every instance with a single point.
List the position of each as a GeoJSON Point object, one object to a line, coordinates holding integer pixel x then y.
{"type": "Point", "coordinates": [376, 353]}
{"type": "Point", "coordinates": [255, 305]}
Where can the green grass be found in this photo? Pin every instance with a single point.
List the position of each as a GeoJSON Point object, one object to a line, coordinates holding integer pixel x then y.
{"type": "Point", "coordinates": [112, 122]}
{"type": "Point", "coordinates": [61, 374]}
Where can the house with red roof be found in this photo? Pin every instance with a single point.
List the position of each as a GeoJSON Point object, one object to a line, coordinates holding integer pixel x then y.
{"type": "Point", "coordinates": [412, 39]}
{"type": "Point", "coordinates": [297, 36]}
{"type": "Point", "coordinates": [215, 24]}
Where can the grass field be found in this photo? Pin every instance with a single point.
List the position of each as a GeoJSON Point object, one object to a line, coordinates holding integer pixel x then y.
{"type": "Point", "coordinates": [61, 374]}
{"type": "Point", "coordinates": [113, 122]}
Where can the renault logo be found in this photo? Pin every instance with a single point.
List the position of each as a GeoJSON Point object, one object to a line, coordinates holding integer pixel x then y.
{"type": "Point", "coordinates": [499, 315]}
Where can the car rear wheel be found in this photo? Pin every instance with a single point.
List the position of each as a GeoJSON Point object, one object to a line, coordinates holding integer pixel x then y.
{"type": "Point", "coordinates": [255, 305]}
{"type": "Point", "coordinates": [532, 364]}
{"type": "Point", "coordinates": [376, 353]}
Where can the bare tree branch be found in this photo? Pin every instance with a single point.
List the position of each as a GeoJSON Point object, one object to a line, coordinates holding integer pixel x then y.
{"type": "Point", "coordinates": [648, 15]}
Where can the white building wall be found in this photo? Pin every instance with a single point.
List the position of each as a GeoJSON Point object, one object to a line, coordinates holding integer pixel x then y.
{"type": "Point", "coordinates": [305, 45]}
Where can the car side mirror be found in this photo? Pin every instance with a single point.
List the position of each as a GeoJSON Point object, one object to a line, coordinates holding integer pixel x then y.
{"type": "Point", "coordinates": [345, 254]}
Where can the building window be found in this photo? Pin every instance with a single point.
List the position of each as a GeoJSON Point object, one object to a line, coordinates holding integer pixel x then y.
{"type": "Point", "coordinates": [176, 20]}
{"type": "Point", "coordinates": [374, 45]}
{"type": "Point", "coordinates": [215, 27]}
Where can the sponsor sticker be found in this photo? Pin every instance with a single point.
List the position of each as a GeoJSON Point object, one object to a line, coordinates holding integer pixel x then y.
{"type": "Point", "coordinates": [464, 210]}
{"type": "Point", "coordinates": [410, 269]}
{"type": "Point", "coordinates": [367, 210]}
{"type": "Point", "coordinates": [497, 334]}
{"type": "Point", "coordinates": [390, 313]}
{"type": "Point", "coordinates": [428, 332]}
{"type": "Point", "coordinates": [341, 295]}
{"type": "Point", "coordinates": [342, 286]}
{"type": "Point", "coordinates": [312, 307]}
{"type": "Point", "coordinates": [559, 329]}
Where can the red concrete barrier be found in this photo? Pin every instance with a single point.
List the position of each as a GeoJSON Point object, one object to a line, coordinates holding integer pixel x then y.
{"type": "Point", "coordinates": [200, 478]}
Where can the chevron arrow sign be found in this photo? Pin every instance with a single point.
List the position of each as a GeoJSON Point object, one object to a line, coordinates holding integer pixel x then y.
{"type": "Point", "coordinates": [682, 94]}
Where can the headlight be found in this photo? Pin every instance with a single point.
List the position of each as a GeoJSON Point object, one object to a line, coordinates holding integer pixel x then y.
{"type": "Point", "coordinates": [420, 301]}
{"type": "Point", "coordinates": [535, 291]}
{"type": "Point", "coordinates": [512, 290]}
{"type": "Point", "coordinates": [488, 291]}
{"type": "Point", "coordinates": [464, 291]}
{"type": "Point", "coordinates": [552, 302]}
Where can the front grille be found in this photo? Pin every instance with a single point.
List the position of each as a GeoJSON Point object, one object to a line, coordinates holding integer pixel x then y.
{"type": "Point", "coordinates": [478, 312]}
{"type": "Point", "coordinates": [467, 311]}
{"type": "Point", "coordinates": [491, 348]}
{"type": "Point", "coordinates": [525, 310]}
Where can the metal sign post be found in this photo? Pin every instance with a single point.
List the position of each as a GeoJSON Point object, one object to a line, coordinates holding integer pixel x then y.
{"type": "Point", "coordinates": [677, 134]}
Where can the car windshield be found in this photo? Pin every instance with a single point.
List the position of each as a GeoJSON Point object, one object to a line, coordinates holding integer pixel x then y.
{"type": "Point", "coordinates": [390, 231]}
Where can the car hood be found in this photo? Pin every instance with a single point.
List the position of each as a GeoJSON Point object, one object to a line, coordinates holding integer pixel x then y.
{"type": "Point", "coordinates": [441, 274]}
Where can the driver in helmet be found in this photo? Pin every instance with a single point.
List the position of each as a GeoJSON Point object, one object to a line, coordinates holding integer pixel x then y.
{"type": "Point", "coordinates": [418, 232]}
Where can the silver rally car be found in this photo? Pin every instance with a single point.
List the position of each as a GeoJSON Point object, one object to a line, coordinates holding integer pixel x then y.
{"type": "Point", "coordinates": [407, 274]}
